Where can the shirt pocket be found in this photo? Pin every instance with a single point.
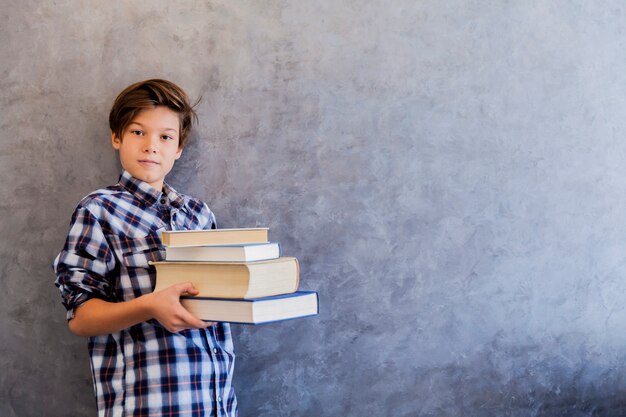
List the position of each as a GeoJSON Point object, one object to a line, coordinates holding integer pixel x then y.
{"type": "Point", "coordinates": [140, 253]}
{"type": "Point", "coordinates": [134, 254]}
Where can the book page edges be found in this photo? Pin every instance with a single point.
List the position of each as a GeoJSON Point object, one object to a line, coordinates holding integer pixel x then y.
{"type": "Point", "coordinates": [168, 237]}
{"type": "Point", "coordinates": [267, 322]}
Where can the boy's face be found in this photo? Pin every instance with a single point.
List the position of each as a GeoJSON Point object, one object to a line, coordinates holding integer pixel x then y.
{"type": "Point", "coordinates": [149, 145]}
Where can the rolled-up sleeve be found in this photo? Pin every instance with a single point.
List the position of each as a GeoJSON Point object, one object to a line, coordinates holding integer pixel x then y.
{"type": "Point", "coordinates": [83, 268]}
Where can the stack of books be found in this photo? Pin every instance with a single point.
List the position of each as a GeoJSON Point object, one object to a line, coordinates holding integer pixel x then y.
{"type": "Point", "coordinates": [240, 274]}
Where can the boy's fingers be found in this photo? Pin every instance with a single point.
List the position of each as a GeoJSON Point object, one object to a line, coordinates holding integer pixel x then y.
{"type": "Point", "coordinates": [193, 321]}
{"type": "Point", "coordinates": [186, 287]}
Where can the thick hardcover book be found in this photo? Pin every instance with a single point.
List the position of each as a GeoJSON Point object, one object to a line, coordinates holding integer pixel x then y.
{"type": "Point", "coordinates": [224, 253]}
{"type": "Point", "coordinates": [232, 279]}
{"type": "Point", "coordinates": [214, 237]}
{"type": "Point", "coordinates": [256, 311]}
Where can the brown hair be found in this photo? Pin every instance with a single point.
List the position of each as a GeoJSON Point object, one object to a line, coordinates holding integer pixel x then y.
{"type": "Point", "coordinates": [147, 95]}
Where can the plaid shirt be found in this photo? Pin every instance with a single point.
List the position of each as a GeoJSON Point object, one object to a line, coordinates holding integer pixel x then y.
{"type": "Point", "coordinates": [144, 370]}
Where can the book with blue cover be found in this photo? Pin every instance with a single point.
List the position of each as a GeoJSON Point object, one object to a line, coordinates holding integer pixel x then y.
{"type": "Point", "coordinates": [254, 311]}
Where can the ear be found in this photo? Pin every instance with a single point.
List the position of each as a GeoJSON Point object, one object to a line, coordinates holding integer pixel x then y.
{"type": "Point", "coordinates": [115, 141]}
{"type": "Point", "coordinates": [179, 153]}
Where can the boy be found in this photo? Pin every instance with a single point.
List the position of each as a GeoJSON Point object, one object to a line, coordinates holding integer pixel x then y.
{"type": "Point", "coordinates": [149, 356]}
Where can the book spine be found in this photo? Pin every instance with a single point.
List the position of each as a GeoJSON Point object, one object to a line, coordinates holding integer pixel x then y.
{"type": "Point", "coordinates": [297, 273]}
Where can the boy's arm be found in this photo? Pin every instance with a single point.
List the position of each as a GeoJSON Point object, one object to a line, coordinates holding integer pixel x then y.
{"type": "Point", "coordinates": [96, 317]}
{"type": "Point", "coordinates": [85, 280]}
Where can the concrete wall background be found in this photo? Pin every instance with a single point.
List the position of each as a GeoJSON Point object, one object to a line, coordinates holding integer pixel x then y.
{"type": "Point", "coordinates": [450, 175]}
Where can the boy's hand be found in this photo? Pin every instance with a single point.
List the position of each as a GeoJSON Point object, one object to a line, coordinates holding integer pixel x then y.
{"type": "Point", "coordinates": [166, 308]}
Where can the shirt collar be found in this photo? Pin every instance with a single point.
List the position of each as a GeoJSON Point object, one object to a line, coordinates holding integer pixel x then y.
{"type": "Point", "coordinates": [175, 199]}
{"type": "Point", "coordinates": [148, 194]}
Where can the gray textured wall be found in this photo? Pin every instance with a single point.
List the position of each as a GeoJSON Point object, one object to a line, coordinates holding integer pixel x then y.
{"type": "Point", "coordinates": [450, 175]}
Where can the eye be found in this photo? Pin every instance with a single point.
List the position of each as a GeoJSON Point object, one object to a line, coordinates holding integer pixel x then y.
{"type": "Point", "coordinates": [136, 132]}
{"type": "Point", "coordinates": [167, 137]}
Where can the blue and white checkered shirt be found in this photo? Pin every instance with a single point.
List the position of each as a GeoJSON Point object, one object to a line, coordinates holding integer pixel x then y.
{"type": "Point", "coordinates": [144, 370]}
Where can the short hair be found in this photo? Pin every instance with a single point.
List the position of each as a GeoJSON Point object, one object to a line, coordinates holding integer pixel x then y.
{"type": "Point", "coordinates": [149, 94]}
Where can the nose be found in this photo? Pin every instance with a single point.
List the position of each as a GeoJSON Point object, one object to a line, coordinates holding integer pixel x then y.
{"type": "Point", "coordinates": [151, 144]}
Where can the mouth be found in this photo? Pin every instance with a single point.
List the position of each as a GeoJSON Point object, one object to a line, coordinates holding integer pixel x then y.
{"type": "Point", "coordinates": [148, 162]}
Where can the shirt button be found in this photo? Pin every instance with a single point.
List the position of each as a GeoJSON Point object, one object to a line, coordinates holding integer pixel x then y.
{"type": "Point", "coordinates": [219, 399]}
{"type": "Point", "coordinates": [162, 201]}
{"type": "Point", "coordinates": [214, 350]}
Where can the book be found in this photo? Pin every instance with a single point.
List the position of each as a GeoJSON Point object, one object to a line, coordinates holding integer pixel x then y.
{"type": "Point", "coordinates": [255, 311]}
{"type": "Point", "coordinates": [232, 279]}
{"type": "Point", "coordinates": [214, 237]}
{"type": "Point", "coordinates": [224, 253]}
